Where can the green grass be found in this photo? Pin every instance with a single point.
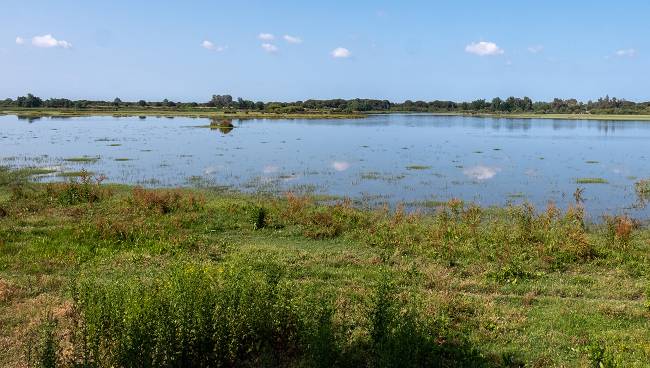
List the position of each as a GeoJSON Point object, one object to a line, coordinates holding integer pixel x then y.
{"type": "Point", "coordinates": [591, 181]}
{"type": "Point", "coordinates": [117, 274]}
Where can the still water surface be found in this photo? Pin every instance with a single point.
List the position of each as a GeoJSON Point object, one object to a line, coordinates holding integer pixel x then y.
{"type": "Point", "coordinates": [412, 159]}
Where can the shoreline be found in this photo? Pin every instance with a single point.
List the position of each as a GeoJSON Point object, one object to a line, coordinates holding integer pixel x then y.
{"type": "Point", "coordinates": [199, 113]}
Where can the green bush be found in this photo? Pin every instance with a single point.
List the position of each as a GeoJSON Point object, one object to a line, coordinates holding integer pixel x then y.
{"type": "Point", "coordinates": [206, 316]}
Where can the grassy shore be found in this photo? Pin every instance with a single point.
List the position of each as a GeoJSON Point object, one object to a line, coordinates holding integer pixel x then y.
{"type": "Point", "coordinates": [315, 114]}
{"type": "Point", "coordinates": [107, 275]}
{"type": "Point", "coordinates": [169, 112]}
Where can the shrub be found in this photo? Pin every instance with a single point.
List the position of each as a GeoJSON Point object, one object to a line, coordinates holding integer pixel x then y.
{"type": "Point", "coordinates": [84, 189]}
{"type": "Point", "coordinates": [259, 218]}
{"type": "Point", "coordinates": [165, 201]}
{"type": "Point", "coordinates": [619, 230]}
{"type": "Point", "coordinates": [203, 316]}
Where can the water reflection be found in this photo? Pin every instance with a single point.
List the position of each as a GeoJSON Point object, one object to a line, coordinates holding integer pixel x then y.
{"type": "Point", "coordinates": [481, 172]}
{"type": "Point", "coordinates": [340, 165]}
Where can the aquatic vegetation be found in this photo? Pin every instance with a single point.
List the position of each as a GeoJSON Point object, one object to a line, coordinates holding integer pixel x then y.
{"type": "Point", "coordinates": [591, 181]}
{"type": "Point", "coordinates": [122, 159]}
{"type": "Point", "coordinates": [642, 188]}
{"type": "Point", "coordinates": [83, 159]}
{"type": "Point", "coordinates": [418, 167]}
{"type": "Point", "coordinates": [592, 162]}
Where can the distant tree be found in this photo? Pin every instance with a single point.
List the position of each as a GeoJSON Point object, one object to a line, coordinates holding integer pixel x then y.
{"type": "Point", "coordinates": [117, 102]}
{"type": "Point", "coordinates": [142, 103]}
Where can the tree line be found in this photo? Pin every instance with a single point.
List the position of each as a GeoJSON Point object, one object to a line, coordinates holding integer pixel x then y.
{"type": "Point", "coordinates": [605, 105]}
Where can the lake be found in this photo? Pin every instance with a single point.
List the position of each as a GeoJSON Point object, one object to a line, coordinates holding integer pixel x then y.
{"type": "Point", "coordinates": [418, 160]}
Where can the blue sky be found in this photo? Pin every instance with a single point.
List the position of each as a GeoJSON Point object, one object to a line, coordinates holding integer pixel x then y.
{"type": "Point", "coordinates": [397, 50]}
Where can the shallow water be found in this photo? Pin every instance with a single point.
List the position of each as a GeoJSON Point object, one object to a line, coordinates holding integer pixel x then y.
{"type": "Point", "coordinates": [415, 159]}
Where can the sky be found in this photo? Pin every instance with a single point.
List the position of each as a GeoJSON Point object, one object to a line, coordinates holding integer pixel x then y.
{"type": "Point", "coordinates": [296, 50]}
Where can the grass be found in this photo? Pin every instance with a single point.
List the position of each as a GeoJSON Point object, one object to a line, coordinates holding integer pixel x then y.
{"type": "Point", "coordinates": [103, 275]}
{"type": "Point", "coordinates": [591, 181]}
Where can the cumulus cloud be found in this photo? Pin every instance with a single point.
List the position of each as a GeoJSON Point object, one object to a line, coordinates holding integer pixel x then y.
{"type": "Point", "coordinates": [209, 45]}
{"type": "Point", "coordinates": [270, 48]}
{"type": "Point", "coordinates": [484, 48]}
{"type": "Point", "coordinates": [266, 37]}
{"type": "Point", "coordinates": [481, 172]}
{"type": "Point", "coordinates": [292, 39]}
{"type": "Point", "coordinates": [536, 49]}
{"type": "Point", "coordinates": [20, 41]}
{"type": "Point", "coordinates": [48, 41]}
{"type": "Point", "coordinates": [340, 165]}
{"type": "Point", "coordinates": [626, 53]}
{"type": "Point", "coordinates": [341, 53]}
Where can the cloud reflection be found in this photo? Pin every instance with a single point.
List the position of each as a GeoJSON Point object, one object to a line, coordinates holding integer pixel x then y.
{"type": "Point", "coordinates": [481, 172]}
{"type": "Point", "coordinates": [340, 165]}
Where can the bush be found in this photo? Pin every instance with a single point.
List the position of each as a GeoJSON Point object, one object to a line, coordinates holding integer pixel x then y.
{"type": "Point", "coordinates": [203, 316]}
{"type": "Point", "coordinates": [165, 201]}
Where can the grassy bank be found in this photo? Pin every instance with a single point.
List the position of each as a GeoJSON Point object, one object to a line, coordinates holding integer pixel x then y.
{"type": "Point", "coordinates": [118, 276]}
{"type": "Point", "coordinates": [314, 114]}
{"type": "Point", "coordinates": [170, 112]}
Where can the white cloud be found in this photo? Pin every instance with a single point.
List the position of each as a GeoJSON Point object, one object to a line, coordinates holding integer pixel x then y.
{"type": "Point", "coordinates": [484, 48]}
{"type": "Point", "coordinates": [626, 53]}
{"type": "Point", "coordinates": [266, 37]}
{"type": "Point", "coordinates": [20, 41]}
{"type": "Point", "coordinates": [208, 45]}
{"type": "Point", "coordinates": [271, 48]}
{"type": "Point", "coordinates": [481, 172]}
{"type": "Point", "coordinates": [536, 49]}
{"type": "Point", "coordinates": [340, 165]}
{"type": "Point", "coordinates": [48, 41]}
{"type": "Point", "coordinates": [341, 53]}
{"type": "Point", "coordinates": [292, 39]}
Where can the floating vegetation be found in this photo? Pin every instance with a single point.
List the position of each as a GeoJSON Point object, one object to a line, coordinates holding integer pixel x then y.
{"type": "Point", "coordinates": [83, 159]}
{"type": "Point", "coordinates": [114, 145]}
{"type": "Point", "coordinates": [517, 195]}
{"type": "Point", "coordinates": [374, 175]}
{"type": "Point", "coordinates": [591, 181]}
{"type": "Point", "coordinates": [418, 167]}
{"type": "Point", "coordinates": [123, 159]}
{"type": "Point", "coordinates": [592, 162]}
{"type": "Point", "coordinates": [75, 174]}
